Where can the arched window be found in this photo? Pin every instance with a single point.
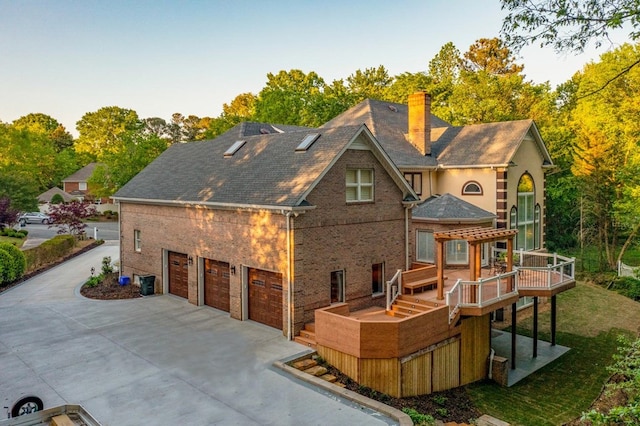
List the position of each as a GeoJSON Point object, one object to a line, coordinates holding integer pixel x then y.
{"type": "Point", "coordinates": [528, 215]}
{"type": "Point", "coordinates": [472, 188]}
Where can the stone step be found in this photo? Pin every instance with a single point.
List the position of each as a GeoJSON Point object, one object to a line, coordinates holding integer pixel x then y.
{"type": "Point", "coordinates": [305, 363]}
{"type": "Point", "coordinates": [316, 370]}
{"type": "Point", "coordinates": [329, 377]}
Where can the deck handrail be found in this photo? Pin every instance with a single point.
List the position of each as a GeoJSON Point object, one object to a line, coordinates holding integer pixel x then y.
{"type": "Point", "coordinates": [393, 289]}
{"type": "Point", "coordinates": [482, 292]}
{"type": "Point", "coordinates": [552, 275]}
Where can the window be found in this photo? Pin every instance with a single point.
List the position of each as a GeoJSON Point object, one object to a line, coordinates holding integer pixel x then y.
{"type": "Point", "coordinates": [526, 215]}
{"type": "Point", "coordinates": [415, 180]}
{"type": "Point", "coordinates": [457, 252]}
{"type": "Point", "coordinates": [137, 242]}
{"type": "Point", "coordinates": [377, 278]}
{"type": "Point", "coordinates": [337, 286]}
{"type": "Point", "coordinates": [425, 247]}
{"type": "Point", "coordinates": [472, 188]}
{"type": "Point", "coordinates": [359, 185]}
{"type": "Point", "coordinates": [82, 186]}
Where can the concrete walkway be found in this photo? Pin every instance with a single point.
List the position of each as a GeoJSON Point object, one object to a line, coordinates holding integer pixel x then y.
{"type": "Point", "coordinates": [156, 360]}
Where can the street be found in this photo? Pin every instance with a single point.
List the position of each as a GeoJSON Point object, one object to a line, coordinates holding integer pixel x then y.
{"type": "Point", "coordinates": [106, 230]}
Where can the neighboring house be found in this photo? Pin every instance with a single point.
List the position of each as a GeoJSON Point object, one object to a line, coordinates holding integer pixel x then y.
{"type": "Point", "coordinates": [289, 226]}
{"type": "Point", "coordinates": [77, 185]}
{"type": "Point", "coordinates": [45, 197]}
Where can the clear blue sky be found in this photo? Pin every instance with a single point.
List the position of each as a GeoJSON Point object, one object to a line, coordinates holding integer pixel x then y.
{"type": "Point", "coordinates": [66, 58]}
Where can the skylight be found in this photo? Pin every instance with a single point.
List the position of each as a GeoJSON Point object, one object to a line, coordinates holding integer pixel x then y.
{"type": "Point", "coordinates": [307, 141]}
{"type": "Point", "coordinates": [233, 148]}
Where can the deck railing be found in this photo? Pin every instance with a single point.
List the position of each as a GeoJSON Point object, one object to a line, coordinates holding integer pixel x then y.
{"type": "Point", "coordinates": [481, 293]}
{"type": "Point", "coordinates": [547, 270]}
{"type": "Point", "coordinates": [394, 288]}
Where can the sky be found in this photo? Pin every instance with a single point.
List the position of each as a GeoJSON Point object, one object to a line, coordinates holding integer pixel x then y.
{"type": "Point", "coordinates": [67, 58]}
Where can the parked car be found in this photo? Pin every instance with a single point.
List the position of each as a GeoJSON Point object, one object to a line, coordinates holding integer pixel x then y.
{"type": "Point", "coordinates": [34, 217]}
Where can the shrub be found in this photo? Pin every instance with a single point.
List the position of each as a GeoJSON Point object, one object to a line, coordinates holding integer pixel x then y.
{"type": "Point", "coordinates": [627, 286]}
{"type": "Point", "coordinates": [418, 418]}
{"type": "Point", "coordinates": [106, 265]}
{"type": "Point", "coordinates": [17, 262]}
{"type": "Point", "coordinates": [49, 251]}
{"type": "Point", "coordinates": [57, 199]}
{"type": "Point", "coordinates": [94, 281]}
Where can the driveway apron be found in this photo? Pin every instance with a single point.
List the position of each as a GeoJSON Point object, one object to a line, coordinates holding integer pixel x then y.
{"type": "Point", "coordinates": [156, 360]}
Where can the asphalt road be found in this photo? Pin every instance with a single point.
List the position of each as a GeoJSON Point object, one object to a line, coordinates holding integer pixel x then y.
{"type": "Point", "coordinates": [106, 230]}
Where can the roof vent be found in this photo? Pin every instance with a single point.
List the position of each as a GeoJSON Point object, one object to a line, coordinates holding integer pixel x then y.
{"type": "Point", "coordinates": [393, 108]}
{"type": "Point", "coordinates": [264, 131]}
{"type": "Point", "coordinates": [233, 148]}
{"type": "Point", "coordinates": [307, 141]}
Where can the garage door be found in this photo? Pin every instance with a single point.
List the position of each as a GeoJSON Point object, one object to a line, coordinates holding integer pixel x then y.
{"type": "Point", "coordinates": [178, 274]}
{"type": "Point", "coordinates": [216, 284]}
{"type": "Point", "coordinates": [265, 297]}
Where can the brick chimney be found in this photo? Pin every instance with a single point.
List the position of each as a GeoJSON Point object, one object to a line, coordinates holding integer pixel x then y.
{"type": "Point", "coordinates": [420, 121]}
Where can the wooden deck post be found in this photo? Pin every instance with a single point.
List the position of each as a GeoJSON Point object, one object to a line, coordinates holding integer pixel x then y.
{"type": "Point", "coordinates": [553, 320]}
{"type": "Point", "coordinates": [535, 326]}
{"type": "Point", "coordinates": [513, 336]}
{"type": "Point", "coordinates": [441, 262]}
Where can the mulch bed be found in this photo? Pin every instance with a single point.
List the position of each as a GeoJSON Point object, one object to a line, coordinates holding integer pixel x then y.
{"type": "Point", "coordinates": [453, 405]}
{"type": "Point", "coordinates": [110, 289]}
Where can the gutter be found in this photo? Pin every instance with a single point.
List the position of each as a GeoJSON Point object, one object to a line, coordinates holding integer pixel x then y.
{"type": "Point", "coordinates": [220, 206]}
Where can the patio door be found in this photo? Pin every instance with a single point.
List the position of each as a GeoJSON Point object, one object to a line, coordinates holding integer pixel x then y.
{"type": "Point", "coordinates": [337, 286]}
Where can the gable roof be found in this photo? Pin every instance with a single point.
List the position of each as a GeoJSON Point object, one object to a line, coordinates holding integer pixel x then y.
{"type": "Point", "coordinates": [46, 196]}
{"type": "Point", "coordinates": [82, 175]}
{"type": "Point", "coordinates": [448, 208]}
{"type": "Point", "coordinates": [489, 144]}
{"type": "Point", "coordinates": [265, 172]}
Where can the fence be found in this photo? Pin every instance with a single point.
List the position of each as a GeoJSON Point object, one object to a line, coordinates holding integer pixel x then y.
{"type": "Point", "coordinates": [628, 271]}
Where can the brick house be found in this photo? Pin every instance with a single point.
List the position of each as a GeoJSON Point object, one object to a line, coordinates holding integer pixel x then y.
{"type": "Point", "coordinates": [269, 226]}
{"type": "Point", "coordinates": [299, 228]}
{"type": "Point", "coordinates": [77, 186]}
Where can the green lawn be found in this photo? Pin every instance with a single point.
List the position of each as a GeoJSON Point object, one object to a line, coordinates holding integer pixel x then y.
{"type": "Point", "coordinates": [589, 321]}
{"type": "Point", "coordinates": [16, 241]}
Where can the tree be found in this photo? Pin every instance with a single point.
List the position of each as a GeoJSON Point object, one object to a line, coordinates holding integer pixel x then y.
{"type": "Point", "coordinates": [407, 83]}
{"type": "Point", "coordinates": [46, 125]}
{"type": "Point", "coordinates": [99, 130]}
{"type": "Point", "coordinates": [567, 25]}
{"type": "Point", "coordinates": [20, 192]}
{"type": "Point", "coordinates": [241, 108]}
{"type": "Point", "coordinates": [138, 149]}
{"type": "Point", "coordinates": [606, 159]}
{"type": "Point", "coordinates": [68, 217]}
{"type": "Point", "coordinates": [290, 98]}
{"type": "Point", "coordinates": [8, 215]}
{"type": "Point", "coordinates": [492, 56]}
{"type": "Point", "coordinates": [372, 83]}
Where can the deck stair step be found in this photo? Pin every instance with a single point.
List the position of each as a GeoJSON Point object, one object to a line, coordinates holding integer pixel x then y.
{"type": "Point", "coordinates": [405, 310]}
{"type": "Point", "coordinates": [310, 343]}
{"type": "Point", "coordinates": [413, 305]}
{"type": "Point", "coordinates": [316, 370]}
{"type": "Point", "coordinates": [396, 314]}
{"type": "Point", "coordinates": [305, 363]}
{"type": "Point", "coordinates": [307, 336]}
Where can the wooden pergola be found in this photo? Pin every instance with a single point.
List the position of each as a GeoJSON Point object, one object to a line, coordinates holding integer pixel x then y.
{"type": "Point", "coordinates": [475, 237]}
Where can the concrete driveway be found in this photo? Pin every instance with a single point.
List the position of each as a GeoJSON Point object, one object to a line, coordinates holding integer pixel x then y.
{"type": "Point", "coordinates": [151, 361]}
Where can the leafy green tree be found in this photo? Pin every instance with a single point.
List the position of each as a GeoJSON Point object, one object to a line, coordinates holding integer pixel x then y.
{"type": "Point", "coordinates": [57, 199]}
{"type": "Point", "coordinates": [137, 151]}
{"type": "Point", "coordinates": [567, 25]}
{"type": "Point", "coordinates": [606, 158]}
{"type": "Point", "coordinates": [187, 129]}
{"type": "Point", "coordinates": [492, 56]}
{"type": "Point", "coordinates": [444, 71]}
{"type": "Point", "coordinates": [407, 83]}
{"type": "Point", "coordinates": [99, 130]}
{"type": "Point", "coordinates": [241, 108]}
{"type": "Point", "coordinates": [372, 83]}
{"type": "Point", "coordinates": [290, 98]}
{"type": "Point", "coordinates": [44, 124]}
{"type": "Point", "coordinates": [20, 192]}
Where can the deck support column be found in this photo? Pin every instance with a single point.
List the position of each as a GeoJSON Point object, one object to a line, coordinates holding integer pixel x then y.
{"type": "Point", "coordinates": [513, 336]}
{"type": "Point", "coordinates": [553, 320]}
{"type": "Point", "coordinates": [535, 326]}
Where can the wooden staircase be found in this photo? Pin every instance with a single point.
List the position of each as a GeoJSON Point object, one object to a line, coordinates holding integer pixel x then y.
{"type": "Point", "coordinates": [307, 336]}
{"type": "Point", "coordinates": [405, 306]}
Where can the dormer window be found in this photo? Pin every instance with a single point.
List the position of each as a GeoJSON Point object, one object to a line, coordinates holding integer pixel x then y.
{"type": "Point", "coordinates": [359, 185]}
{"type": "Point", "coordinates": [472, 188]}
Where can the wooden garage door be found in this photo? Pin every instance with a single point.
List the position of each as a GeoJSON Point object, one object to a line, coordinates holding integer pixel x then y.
{"type": "Point", "coordinates": [178, 274]}
{"type": "Point", "coordinates": [265, 297]}
{"type": "Point", "coordinates": [216, 284]}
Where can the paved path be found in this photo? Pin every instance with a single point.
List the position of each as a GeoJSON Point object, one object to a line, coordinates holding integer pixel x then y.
{"type": "Point", "coordinates": [151, 361]}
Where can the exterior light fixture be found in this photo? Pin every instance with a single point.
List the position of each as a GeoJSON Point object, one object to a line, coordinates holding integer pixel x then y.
{"type": "Point", "coordinates": [190, 260]}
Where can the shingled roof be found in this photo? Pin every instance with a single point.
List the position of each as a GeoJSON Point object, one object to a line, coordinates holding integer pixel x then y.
{"type": "Point", "coordinates": [447, 208]}
{"type": "Point", "coordinates": [491, 144]}
{"type": "Point", "coordinates": [266, 172]}
{"type": "Point", "coordinates": [83, 174]}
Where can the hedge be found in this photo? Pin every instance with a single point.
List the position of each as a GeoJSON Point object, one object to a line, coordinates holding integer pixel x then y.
{"type": "Point", "coordinates": [12, 263]}
{"type": "Point", "coordinates": [49, 251]}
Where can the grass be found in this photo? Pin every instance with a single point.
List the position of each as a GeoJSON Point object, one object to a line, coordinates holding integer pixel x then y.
{"type": "Point", "coordinates": [589, 321]}
{"type": "Point", "coordinates": [18, 242]}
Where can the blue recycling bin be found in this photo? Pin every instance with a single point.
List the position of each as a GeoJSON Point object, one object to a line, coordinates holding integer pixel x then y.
{"type": "Point", "coordinates": [124, 280]}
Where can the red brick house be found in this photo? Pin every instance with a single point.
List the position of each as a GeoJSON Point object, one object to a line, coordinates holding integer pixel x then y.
{"type": "Point", "coordinates": [77, 185]}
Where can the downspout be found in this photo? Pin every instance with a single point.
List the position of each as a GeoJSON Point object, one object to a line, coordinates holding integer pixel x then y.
{"type": "Point", "coordinates": [289, 281]}
{"type": "Point", "coordinates": [119, 241]}
{"type": "Point", "coordinates": [406, 237]}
